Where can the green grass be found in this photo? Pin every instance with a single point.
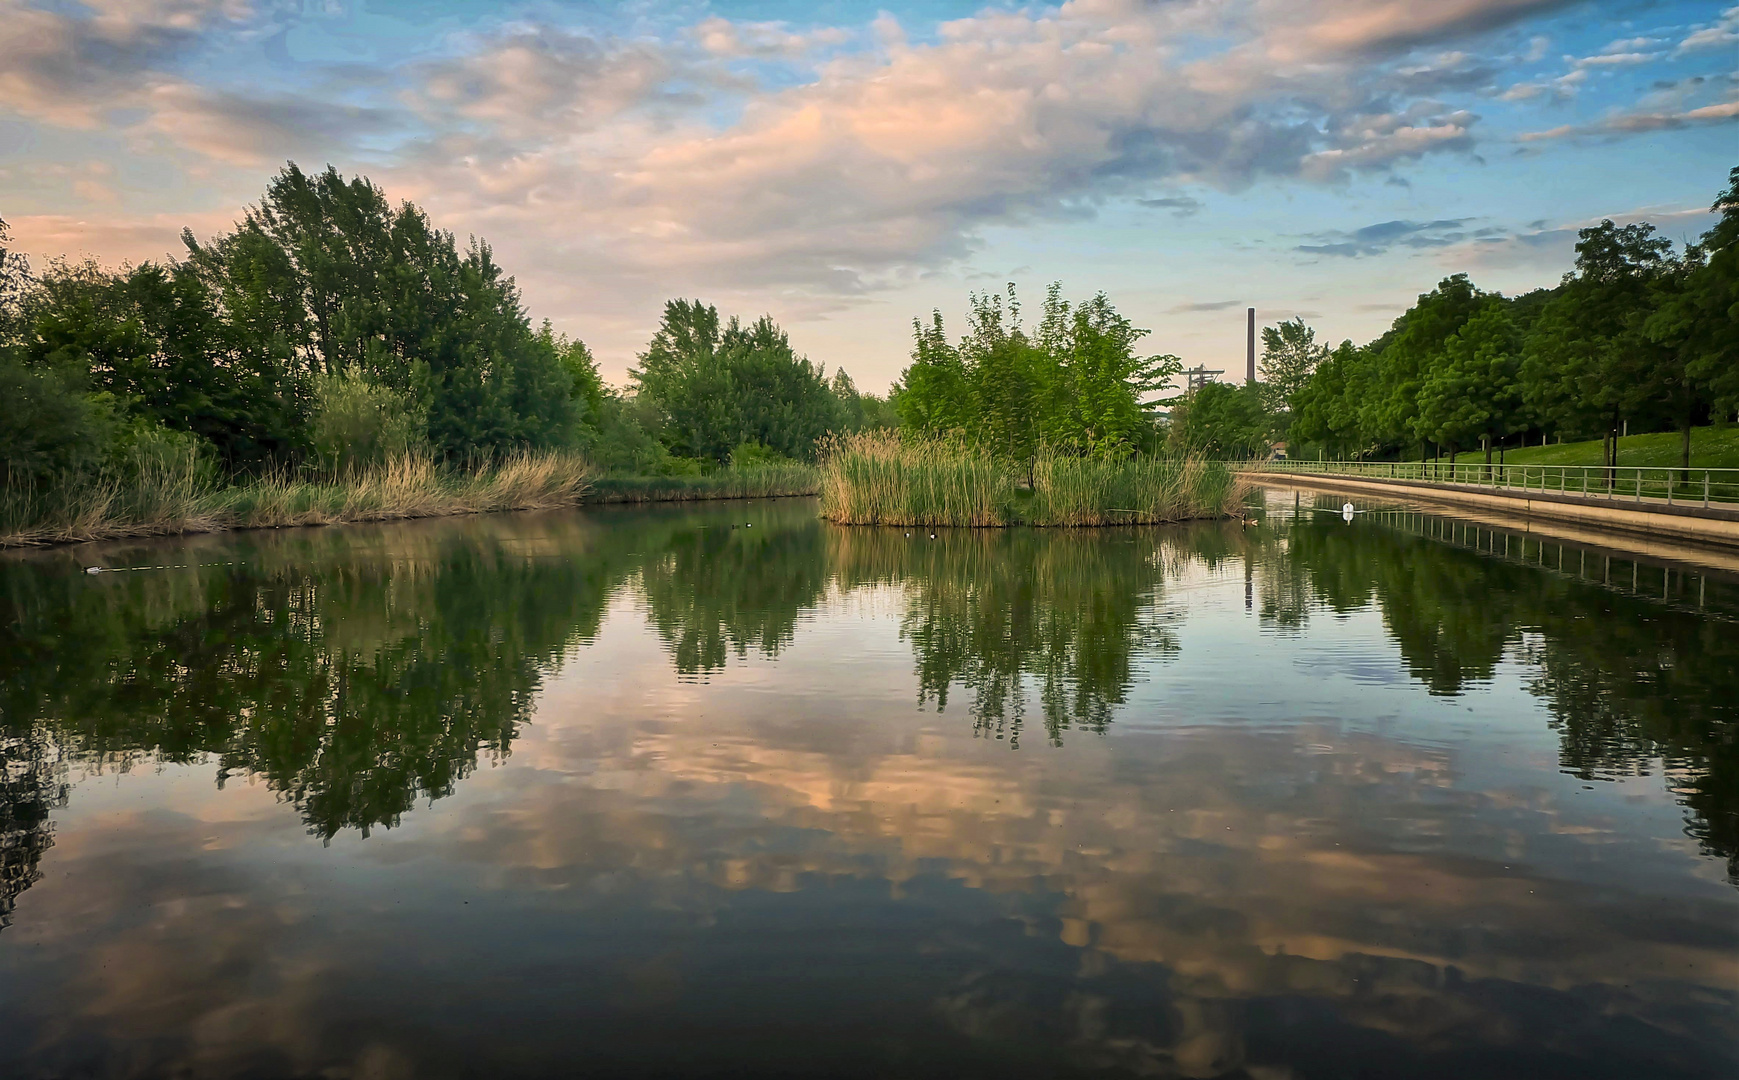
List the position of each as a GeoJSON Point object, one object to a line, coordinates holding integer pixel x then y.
{"type": "Point", "coordinates": [880, 479]}
{"type": "Point", "coordinates": [1711, 448]}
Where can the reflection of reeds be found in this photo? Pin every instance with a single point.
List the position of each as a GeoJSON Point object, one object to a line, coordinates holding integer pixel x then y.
{"type": "Point", "coordinates": [880, 479]}
{"type": "Point", "coordinates": [174, 497]}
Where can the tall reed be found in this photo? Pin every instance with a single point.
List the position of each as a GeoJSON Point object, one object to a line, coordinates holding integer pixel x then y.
{"type": "Point", "coordinates": [880, 479]}
{"type": "Point", "coordinates": [1137, 491]}
{"type": "Point", "coordinates": [876, 478]}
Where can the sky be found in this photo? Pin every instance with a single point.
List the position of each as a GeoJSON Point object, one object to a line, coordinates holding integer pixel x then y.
{"type": "Point", "coordinates": [847, 167]}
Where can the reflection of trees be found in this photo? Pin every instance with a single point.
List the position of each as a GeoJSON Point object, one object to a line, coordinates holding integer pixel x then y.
{"type": "Point", "coordinates": [29, 788]}
{"type": "Point", "coordinates": [1631, 684]}
{"type": "Point", "coordinates": [352, 680]}
{"type": "Point", "coordinates": [722, 588]}
{"type": "Point", "coordinates": [1000, 610]}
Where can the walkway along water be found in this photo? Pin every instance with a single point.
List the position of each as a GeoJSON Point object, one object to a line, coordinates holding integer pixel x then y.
{"type": "Point", "coordinates": [1648, 503]}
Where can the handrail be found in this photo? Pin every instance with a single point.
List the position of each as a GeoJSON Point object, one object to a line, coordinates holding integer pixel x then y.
{"type": "Point", "coordinates": [1665, 484]}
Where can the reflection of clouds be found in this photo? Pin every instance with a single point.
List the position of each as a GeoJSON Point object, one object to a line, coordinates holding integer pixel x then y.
{"type": "Point", "coordinates": [1351, 870]}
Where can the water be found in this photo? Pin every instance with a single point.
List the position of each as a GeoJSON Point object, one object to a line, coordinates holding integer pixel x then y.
{"type": "Point", "coordinates": [727, 791]}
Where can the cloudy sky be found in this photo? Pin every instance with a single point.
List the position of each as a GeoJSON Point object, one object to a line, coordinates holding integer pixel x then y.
{"type": "Point", "coordinates": [848, 166]}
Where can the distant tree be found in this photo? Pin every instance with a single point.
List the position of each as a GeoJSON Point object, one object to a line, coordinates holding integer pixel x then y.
{"type": "Point", "coordinates": [934, 396]}
{"type": "Point", "coordinates": [715, 386]}
{"type": "Point", "coordinates": [1290, 354]}
{"type": "Point", "coordinates": [1222, 421]}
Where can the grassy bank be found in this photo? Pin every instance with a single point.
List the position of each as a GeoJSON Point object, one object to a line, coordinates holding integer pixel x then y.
{"type": "Point", "coordinates": [1711, 448]}
{"type": "Point", "coordinates": [761, 482]}
{"type": "Point", "coordinates": [174, 496]}
{"type": "Point", "coordinates": [879, 479]}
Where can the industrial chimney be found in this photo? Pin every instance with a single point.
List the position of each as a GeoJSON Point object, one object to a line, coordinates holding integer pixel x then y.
{"type": "Point", "coordinates": [1251, 376]}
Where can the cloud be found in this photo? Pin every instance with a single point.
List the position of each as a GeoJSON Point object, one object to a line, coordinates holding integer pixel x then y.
{"type": "Point", "coordinates": [72, 70]}
{"type": "Point", "coordinates": [1638, 123]}
{"type": "Point", "coordinates": [1381, 237]}
{"type": "Point", "coordinates": [1179, 205]}
{"type": "Point", "coordinates": [1723, 34]}
{"type": "Point", "coordinates": [1205, 305]}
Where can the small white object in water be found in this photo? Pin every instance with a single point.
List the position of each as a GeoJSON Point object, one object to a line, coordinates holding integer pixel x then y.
{"type": "Point", "coordinates": [93, 569]}
{"type": "Point", "coordinates": [1347, 508]}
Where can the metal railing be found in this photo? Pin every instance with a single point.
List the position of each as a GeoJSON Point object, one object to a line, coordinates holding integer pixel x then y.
{"type": "Point", "coordinates": [1669, 486]}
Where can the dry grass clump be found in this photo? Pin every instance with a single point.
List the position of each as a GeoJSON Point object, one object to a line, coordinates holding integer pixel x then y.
{"type": "Point", "coordinates": [175, 496]}
{"type": "Point", "coordinates": [879, 479]}
{"type": "Point", "coordinates": [876, 478]}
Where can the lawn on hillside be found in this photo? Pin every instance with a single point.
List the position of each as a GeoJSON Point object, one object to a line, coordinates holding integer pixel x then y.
{"type": "Point", "coordinates": [1711, 448]}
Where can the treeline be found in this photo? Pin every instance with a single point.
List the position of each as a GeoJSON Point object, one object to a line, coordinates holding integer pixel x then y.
{"type": "Point", "coordinates": [1638, 336]}
{"type": "Point", "coordinates": [332, 331]}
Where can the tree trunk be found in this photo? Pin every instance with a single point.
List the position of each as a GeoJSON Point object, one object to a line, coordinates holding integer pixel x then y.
{"type": "Point", "coordinates": [1685, 449]}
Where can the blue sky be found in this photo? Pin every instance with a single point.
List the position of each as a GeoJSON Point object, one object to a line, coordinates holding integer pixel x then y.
{"type": "Point", "coordinates": [847, 167]}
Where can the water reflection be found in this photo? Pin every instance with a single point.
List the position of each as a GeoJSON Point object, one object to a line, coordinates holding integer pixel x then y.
{"type": "Point", "coordinates": [720, 837]}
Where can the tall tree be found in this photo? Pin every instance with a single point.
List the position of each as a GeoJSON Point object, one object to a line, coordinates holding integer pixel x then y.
{"type": "Point", "coordinates": [1290, 354]}
{"type": "Point", "coordinates": [1475, 393]}
{"type": "Point", "coordinates": [1588, 366]}
{"type": "Point", "coordinates": [1697, 318]}
{"type": "Point", "coordinates": [324, 270]}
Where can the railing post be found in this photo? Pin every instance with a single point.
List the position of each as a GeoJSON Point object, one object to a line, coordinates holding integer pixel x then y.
{"type": "Point", "coordinates": [1670, 483]}
{"type": "Point", "coordinates": [1639, 483]}
{"type": "Point", "coordinates": [1705, 487]}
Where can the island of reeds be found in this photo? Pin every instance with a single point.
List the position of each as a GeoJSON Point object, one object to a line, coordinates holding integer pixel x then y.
{"type": "Point", "coordinates": [882, 479]}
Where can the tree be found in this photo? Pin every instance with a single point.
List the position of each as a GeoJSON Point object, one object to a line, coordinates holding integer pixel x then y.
{"type": "Point", "coordinates": [1404, 358]}
{"type": "Point", "coordinates": [933, 396]}
{"type": "Point", "coordinates": [1100, 381]}
{"type": "Point", "coordinates": [1290, 355]}
{"type": "Point", "coordinates": [324, 272]}
{"type": "Point", "coordinates": [1222, 421]}
{"type": "Point", "coordinates": [1698, 320]}
{"type": "Point", "coordinates": [1475, 392]}
{"type": "Point", "coordinates": [1588, 365]}
{"type": "Point", "coordinates": [715, 386]}
{"type": "Point", "coordinates": [1075, 383]}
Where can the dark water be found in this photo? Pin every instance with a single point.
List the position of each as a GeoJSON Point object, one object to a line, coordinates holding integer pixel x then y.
{"type": "Point", "coordinates": [655, 793]}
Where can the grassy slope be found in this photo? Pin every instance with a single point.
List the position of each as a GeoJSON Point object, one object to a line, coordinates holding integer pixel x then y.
{"type": "Point", "coordinates": [1711, 448]}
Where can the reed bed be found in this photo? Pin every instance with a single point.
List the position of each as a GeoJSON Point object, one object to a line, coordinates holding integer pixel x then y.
{"type": "Point", "coordinates": [880, 479]}
{"type": "Point", "coordinates": [877, 478]}
{"type": "Point", "coordinates": [758, 482]}
{"type": "Point", "coordinates": [176, 497]}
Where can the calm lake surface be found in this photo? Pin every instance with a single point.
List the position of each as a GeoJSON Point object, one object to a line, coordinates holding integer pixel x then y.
{"type": "Point", "coordinates": [727, 791]}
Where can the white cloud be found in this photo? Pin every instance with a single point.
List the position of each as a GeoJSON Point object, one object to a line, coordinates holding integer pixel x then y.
{"type": "Point", "coordinates": [1722, 34]}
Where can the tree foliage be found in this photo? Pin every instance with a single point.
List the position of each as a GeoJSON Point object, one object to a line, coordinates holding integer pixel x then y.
{"type": "Point", "coordinates": [715, 385]}
{"type": "Point", "coordinates": [1075, 381]}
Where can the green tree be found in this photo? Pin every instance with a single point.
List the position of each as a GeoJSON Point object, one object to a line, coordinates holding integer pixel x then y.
{"type": "Point", "coordinates": [325, 272]}
{"type": "Point", "coordinates": [715, 386]}
{"type": "Point", "coordinates": [1222, 421]}
{"type": "Point", "coordinates": [1588, 365]}
{"type": "Point", "coordinates": [1475, 392]}
{"type": "Point", "coordinates": [1098, 382]}
{"type": "Point", "coordinates": [1404, 358]}
{"type": "Point", "coordinates": [1697, 322]}
{"type": "Point", "coordinates": [1290, 354]}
